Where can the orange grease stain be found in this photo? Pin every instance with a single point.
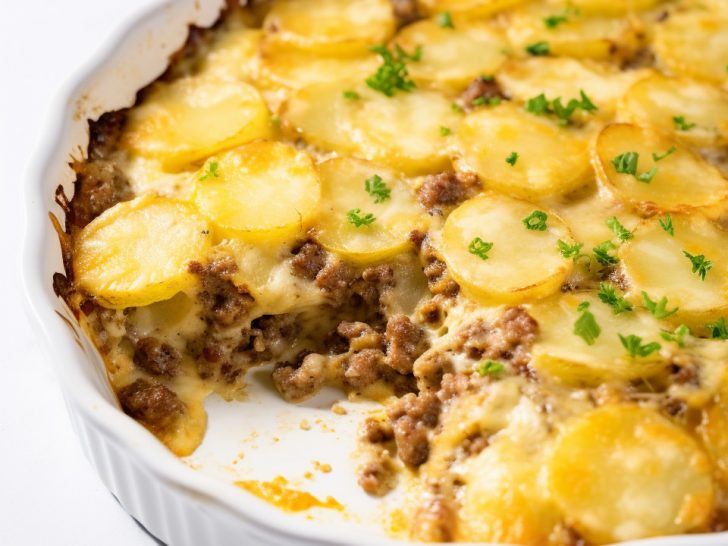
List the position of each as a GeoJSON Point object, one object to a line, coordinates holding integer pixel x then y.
{"type": "Point", "coordinates": [276, 493]}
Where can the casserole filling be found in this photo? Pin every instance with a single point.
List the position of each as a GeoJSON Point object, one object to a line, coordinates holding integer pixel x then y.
{"type": "Point", "coordinates": [504, 220]}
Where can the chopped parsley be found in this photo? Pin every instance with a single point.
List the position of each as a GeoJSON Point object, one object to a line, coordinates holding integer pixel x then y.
{"type": "Point", "coordinates": [351, 95]}
{"type": "Point", "coordinates": [718, 329]}
{"type": "Point", "coordinates": [536, 221]}
{"type": "Point", "coordinates": [602, 252]}
{"type": "Point", "coordinates": [700, 265]}
{"type": "Point", "coordinates": [676, 336]}
{"type": "Point", "coordinates": [444, 19]}
{"type": "Point", "coordinates": [621, 232]}
{"type": "Point", "coordinates": [512, 158]}
{"type": "Point", "coordinates": [666, 224]}
{"type": "Point", "coordinates": [457, 108]}
{"type": "Point", "coordinates": [647, 176]}
{"type": "Point", "coordinates": [626, 163]}
{"type": "Point", "coordinates": [480, 248]}
{"type": "Point", "coordinates": [552, 21]}
{"type": "Point", "coordinates": [586, 326]}
{"type": "Point", "coordinates": [658, 308]}
{"type": "Point", "coordinates": [569, 251]}
{"type": "Point", "coordinates": [392, 75]}
{"type": "Point", "coordinates": [211, 171]}
{"type": "Point", "coordinates": [538, 49]}
{"type": "Point", "coordinates": [681, 124]}
{"type": "Point", "coordinates": [490, 367]}
{"type": "Point", "coordinates": [634, 346]}
{"type": "Point", "coordinates": [355, 218]}
{"type": "Point", "coordinates": [445, 131]}
{"type": "Point", "coordinates": [660, 157]}
{"type": "Point", "coordinates": [608, 294]}
{"type": "Point", "coordinates": [540, 105]}
{"type": "Point", "coordinates": [375, 186]}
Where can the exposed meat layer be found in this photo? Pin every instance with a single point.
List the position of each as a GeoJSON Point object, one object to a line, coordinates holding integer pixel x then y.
{"type": "Point", "coordinates": [156, 357]}
{"type": "Point", "coordinates": [223, 301]}
{"type": "Point", "coordinates": [152, 404]}
{"type": "Point", "coordinates": [447, 189]}
{"type": "Point", "coordinates": [413, 416]}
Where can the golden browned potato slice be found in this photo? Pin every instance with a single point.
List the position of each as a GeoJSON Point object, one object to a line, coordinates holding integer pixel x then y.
{"type": "Point", "coordinates": [137, 252]}
{"type": "Point", "coordinates": [551, 159]}
{"type": "Point", "coordinates": [624, 472]}
{"type": "Point", "coordinates": [694, 112]}
{"type": "Point", "coordinates": [523, 79]}
{"type": "Point", "coordinates": [193, 118]}
{"type": "Point", "coordinates": [349, 185]}
{"type": "Point", "coordinates": [680, 180]}
{"type": "Point", "coordinates": [496, 258]}
{"type": "Point", "coordinates": [561, 353]}
{"type": "Point", "coordinates": [693, 43]}
{"type": "Point", "coordinates": [263, 189]}
{"type": "Point", "coordinates": [452, 57]}
{"type": "Point", "coordinates": [471, 8]}
{"type": "Point", "coordinates": [330, 27]}
{"type": "Point", "coordinates": [393, 130]}
{"type": "Point", "coordinates": [234, 56]}
{"type": "Point", "coordinates": [655, 262]}
{"type": "Point", "coordinates": [613, 7]}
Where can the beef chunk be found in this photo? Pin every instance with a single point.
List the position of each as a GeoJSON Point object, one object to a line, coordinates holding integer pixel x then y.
{"type": "Point", "coordinates": [431, 368]}
{"type": "Point", "coordinates": [412, 416]}
{"type": "Point", "coordinates": [376, 477]}
{"type": "Point", "coordinates": [375, 431]}
{"type": "Point", "coordinates": [99, 185]}
{"type": "Point", "coordinates": [435, 520]}
{"type": "Point", "coordinates": [156, 357]}
{"type": "Point", "coordinates": [363, 368]}
{"type": "Point", "coordinates": [482, 88]}
{"type": "Point", "coordinates": [335, 278]}
{"type": "Point", "coordinates": [297, 383]}
{"type": "Point", "coordinates": [105, 133]}
{"type": "Point", "coordinates": [447, 189]}
{"type": "Point", "coordinates": [435, 270]}
{"type": "Point", "coordinates": [360, 335]}
{"type": "Point", "coordinates": [152, 404]}
{"type": "Point", "coordinates": [405, 342]}
{"type": "Point", "coordinates": [405, 10]}
{"type": "Point", "coordinates": [224, 302]}
{"type": "Point", "coordinates": [308, 260]}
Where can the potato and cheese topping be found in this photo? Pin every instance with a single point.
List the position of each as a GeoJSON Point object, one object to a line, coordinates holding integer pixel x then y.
{"type": "Point", "coordinates": [504, 220]}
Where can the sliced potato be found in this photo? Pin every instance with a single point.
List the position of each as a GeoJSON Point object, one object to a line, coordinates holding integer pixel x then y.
{"type": "Point", "coordinates": [654, 262]}
{"type": "Point", "coordinates": [624, 472]}
{"type": "Point", "coordinates": [521, 263]}
{"type": "Point", "coordinates": [694, 43]}
{"type": "Point", "coordinates": [551, 159]}
{"type": "Point", "coordinates": [579, 35]}
{"type": "Point", "coordinates": [451, 58]}
{"type": "Point", "coordinates": [613, 7]}
{"type": "Point", "coordinates": [330, 27]}
{"type": "Point", "coordinates": [713, 431]}
{"type": "Point", "coordinates": [343, 190]}
{"type": "Point", "coordinates": [560, 353]}
{"type": "Point", "coordinates": [263, 189]}
{"type": "Point", "coordinates": [471, 8]}
{"type": "Point", "coordinates": [388, 130]}
{"type": "Point", "coordinates": [137, 252]}
{"type": "Point", "coordinates": [683, 180]}
{"type": "Point", "coordinates": [561, 77]}
{"type": "Point", "coordinates": [193, 118]}
{"type": "Point", "coordinates": [656, 101]}
{"type": "Point", "coordinates": [234, 56]}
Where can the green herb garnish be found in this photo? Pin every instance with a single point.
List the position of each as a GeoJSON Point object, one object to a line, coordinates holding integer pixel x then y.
{"type": "Point", "coordinates": [375, 186]}
{"type": "Point", "coordinates": [392, 75]}
{"type": "Point", "coordinates": [602, 252]}
{"type": "Point", "coordinates": [445, 131]}
{"type": "Point", "coordinates": [586, 326]}
{"type": "Point", "coordinates": [626, 163]}
{"type": "Point", "coordinates": [211, 171]}
{"type": "Point", "coordinates": [480, 248]}
{"type": "Point", "coordinates": [538, 49]}
{"type": "Point", "coordinates": [444, 19]}
{"type": "Point", "coordinates": [634, 346]}
{"type": "Point", "coordinates": [666, 224]}
{"type": "Point", "coordinates": [681, 124]}
{"type": "Point", "coordinates": [512, 158]}
{"type": "Point", "coordinates": [718, 329]}
{"type": "Point", "coordinates": [540, 105]}
{"type": "Point", "coordinates": [552, 21]}
{"type": "Point", "coordinates": [621, 232]}
{"type": "Point", "coordinates": [660, 157]}
{"type": "Point", "coordinates": [536, 221]}
{"type": "Point", "coordinates": [658, 308]}
{"type": "Point", "coordinates": [676, 336]}
{"type": "Point", "coordinates": [700, 265]}
{"type": "Point", "coordinates": [569, 251]}
{"type": "Point", "coordinates": [351, 95]}
{"type": "Point", "coordinates": [647, 176]}
{"type": "Point", "coordinates": [490, 367]}
{"type": "Point", "coordinates": [355, 218]}
{"type": "Point", "coordinates": [608, 294]}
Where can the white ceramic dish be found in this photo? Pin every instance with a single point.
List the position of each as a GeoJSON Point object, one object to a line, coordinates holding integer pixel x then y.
{"type": "Point", "coordinates": [194, 501]}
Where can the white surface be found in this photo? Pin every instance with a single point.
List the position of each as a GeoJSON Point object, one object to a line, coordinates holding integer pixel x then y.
{"type": "Point", "coordinates": [49, 494]}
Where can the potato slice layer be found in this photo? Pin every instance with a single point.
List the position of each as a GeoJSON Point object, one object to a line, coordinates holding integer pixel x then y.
{"type": "Point", "coordinates": [495, 258]}
{"type": "Point", "coordinates": [682, 180]}
{"type": "Point", "coordinates": [193, 118]}
{"type": "Point", "coordinates": [469, 7]}
{"type": "Point", "coordinates": [561, 353]}
{"type": "Point", "coordinates": [654, 262]}
{"type": "Point", "coordinates": [331, 27]}
{"type": "Point", "coordinates": [137, 252]}
{"type": "Point", "coordinates": [394, 131]}
{"type": "Point", "coordinates": [551, 159]}
{"type": "Point", "coordinates": [343, 189]}
{"type": "Point", "coordinates": [613, 7]}
{"type": "Point", "coordinates": [263, 189]}
{"type": "Point", "coordinates": [452, 57]}
{"type": "Point", "coordinates": [658, 101]}
{"type": "Point", "coordinates": [624, 472]}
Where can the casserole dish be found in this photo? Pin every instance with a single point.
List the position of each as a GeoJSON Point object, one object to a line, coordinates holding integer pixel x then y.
{"type": "Point", "coordinates": [179, 504]}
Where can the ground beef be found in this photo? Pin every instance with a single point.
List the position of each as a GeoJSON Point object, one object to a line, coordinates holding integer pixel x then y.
{"type": "Point", "coordinates": [156, 357]}
{"type": "Point", "coordinates": [104, 134]}
{"type": "Point", "coordinates": [297, 383]}
{"type": "Point", "coordinates": [412, 416]}
{"type": "Point", "coordinates": [508, 339]}
{"type": "Point", "coordinates": [430, 368]}
{"type": "Point", "coordinates": [152, 404]}
{"type": "Point", "coordinates": [274, 333]}
{"type": "Point", "coordinates": [376, 431]}
{"type": "Point", "coordinates": [405, 10]}
{"type": "Point", "coordinates": [643, 57]}
{"type": "Point", "coordinates": [363, 368]}
{"type": "Point", "coordinates": [454, 385]}
{"type": "Point", "coordinates": [308, 260]}
{"type": "Point", "coordinates": [360, 336]}
{"type": "Point", "coordinates": [481, 87]}
{"type": "Point", "coordinates": [336, 279]}
{"type": "Point", "coordinates": [447, 189]}
{"type": "Point", "coordinates": [435, 270]}
{"type": "Point", "coordinates": [405, 343]}
{"type": "Point", "coordinates": [376, 476]}
{"type": "Point", "coordinates": [434, 521]}
{"type": "Point", "coordinates": [224, 303]}
{"type": "Point", "coordinates": [99, 185]}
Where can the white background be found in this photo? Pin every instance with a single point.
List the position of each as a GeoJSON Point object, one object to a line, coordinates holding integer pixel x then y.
{"type": "Point", "coordinates": [49, 494]}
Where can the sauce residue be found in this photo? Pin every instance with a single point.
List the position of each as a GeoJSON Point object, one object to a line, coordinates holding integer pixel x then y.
{"type": "Point", "coordinates": [277, 493]}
